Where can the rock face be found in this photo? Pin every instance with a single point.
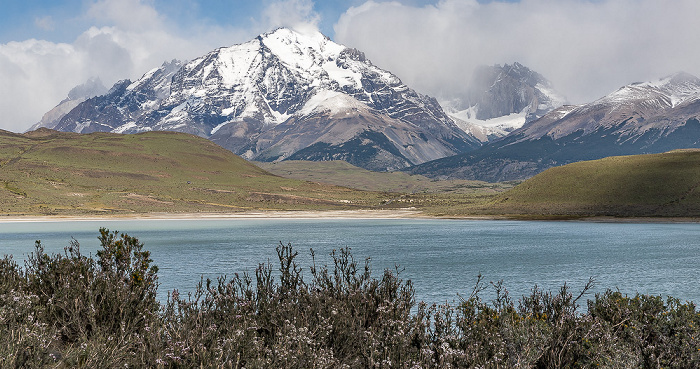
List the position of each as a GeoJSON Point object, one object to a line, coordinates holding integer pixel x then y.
{"type": "Point", "coordinates": [639, 118]}
{"type": "Point", "coordinates": [93, 87]}
{"type": "Point", "coordinates": [500, 99]}
{"type": "Point", "coordinates": [282, 95]}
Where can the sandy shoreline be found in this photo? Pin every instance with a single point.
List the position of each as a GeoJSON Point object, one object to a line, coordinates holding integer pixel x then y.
{"type": "Point", "coordinates": [303, 214]}
{"type": "Point", "coordinates": [327, 214]}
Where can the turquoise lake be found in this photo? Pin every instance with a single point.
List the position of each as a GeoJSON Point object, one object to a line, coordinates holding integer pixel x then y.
{"type": "Point", "coordinates": [442, 257]}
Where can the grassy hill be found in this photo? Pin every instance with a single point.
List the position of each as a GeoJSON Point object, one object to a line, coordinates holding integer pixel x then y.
{"type": "Point", "coordinates": [47, 172]}
{"type": "Point", "coordinates": [641, 185]}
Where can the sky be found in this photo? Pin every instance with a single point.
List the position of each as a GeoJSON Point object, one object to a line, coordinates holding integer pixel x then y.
{"type": "Point", "coordinates": [586, 48]}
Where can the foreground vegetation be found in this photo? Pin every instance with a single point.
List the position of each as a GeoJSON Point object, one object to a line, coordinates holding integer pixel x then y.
{"type": "Point", "coordinates": [71, 310]}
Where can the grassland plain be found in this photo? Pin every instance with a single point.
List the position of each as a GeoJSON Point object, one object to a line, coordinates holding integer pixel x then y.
{"type": "Point", "coordinates": [345, 174]}
{"type": "Point", "coordinates": [50, 173]}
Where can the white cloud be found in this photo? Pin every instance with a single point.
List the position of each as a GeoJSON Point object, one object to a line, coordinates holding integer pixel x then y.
{"type": "Point", "coordinates": [134, 15]}
{"type": "Point", "coordinates": [297, 14]}
{"type": "Point", "coordinates": [128, 38]}
{"type": "Point", "coordinates": [45, 23]}
{"type": "Point", "coordinates": [586, 48]}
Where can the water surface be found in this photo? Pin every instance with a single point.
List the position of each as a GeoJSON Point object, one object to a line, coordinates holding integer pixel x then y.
{"type": "Point", "coordinates": [442, 257]}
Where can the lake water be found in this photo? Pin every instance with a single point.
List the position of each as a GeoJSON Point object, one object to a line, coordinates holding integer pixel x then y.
{"type": "Point", "coordinates": [442, 257]}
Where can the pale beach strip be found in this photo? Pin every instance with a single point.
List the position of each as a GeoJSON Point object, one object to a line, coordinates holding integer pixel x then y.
{"type": "Point", "coordinates": [273, 214]}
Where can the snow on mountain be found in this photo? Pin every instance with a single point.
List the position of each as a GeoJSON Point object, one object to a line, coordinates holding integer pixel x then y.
{"type": "Point", "coordinates": [500, 99]}
{"type": "Point", "coordinates": [630, 111]}
{"type": "Point", "coordinates": [234, 95]}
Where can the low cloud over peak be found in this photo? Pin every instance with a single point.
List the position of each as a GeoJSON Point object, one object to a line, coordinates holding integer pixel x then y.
{"type": "Point", "coordinates": [586, 48]}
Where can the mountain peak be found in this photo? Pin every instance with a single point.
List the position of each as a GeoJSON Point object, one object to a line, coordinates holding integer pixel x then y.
{"type": "Point", "coordinates": [295, 34]}
{"type": "Point", "coordinates": [302, 48]}
{"type": "Point", "coordinates": [92, 87]}
{"type": "Point", "coordinates": [287, 92]}
{"type": "Point", "coordinates": [666, 92]}
{"type": "Point", "coordinates": [671, 81]}
{"type": "Point", "coordinates": [502, 98]}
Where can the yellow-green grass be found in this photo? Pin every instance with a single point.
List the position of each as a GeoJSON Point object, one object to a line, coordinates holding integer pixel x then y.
{"type": "Point", "coordinates": [631, 186]}
{"type": "Point", "coordinates": [48, 172]}
{"type": "Point", "coordinates": [345, 174]}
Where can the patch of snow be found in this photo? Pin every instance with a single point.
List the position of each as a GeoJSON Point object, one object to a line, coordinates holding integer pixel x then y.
{"type": "Point", "coordinates": [331, 101]}
{"type": "Point", "coordinates": [235, 63]}
{"type": "Point", "coordinates": [554, 97]}
{"type": "Point", "coordinates": [124, 127]}
{"type": "Point", "coordinates": [344, 77]}
{"type": "Point", "coordinates": [145, 77]}
{"type": "Point", "coordinates": [279, 117]}
{"type": "Point", "coordinates": [507, 122]}
{"type": "Point", "coordinates": [218, 127]}
{"type": "Point", "coordinates": [482, 133]}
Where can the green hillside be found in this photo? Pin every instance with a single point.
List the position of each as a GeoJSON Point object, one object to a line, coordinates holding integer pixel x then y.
{"type": "Point", "coordinates": [640, 185]}
{"type": "Point", "coordinates": [47, 172]}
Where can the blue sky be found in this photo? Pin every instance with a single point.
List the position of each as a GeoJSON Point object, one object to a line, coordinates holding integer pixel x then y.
{"type": "Point", "coordinates": [64, 20]}
{"type": "Point", "coordinates": [587, 48]}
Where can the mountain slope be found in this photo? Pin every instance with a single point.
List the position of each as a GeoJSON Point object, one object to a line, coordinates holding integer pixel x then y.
{"type": "Point", "coordinates": [248, 96]}
{"type": "Point", "coordinates": [640, 118]}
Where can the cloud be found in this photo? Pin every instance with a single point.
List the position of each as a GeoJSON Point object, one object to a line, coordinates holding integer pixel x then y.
{"type": "Point", "coordinates": [45, 23]}
{"type": "Point", "coordinates": [127, 38]}
{"type": "Point", "coordinates": [296, 14]}
{"type": "Point", "coordinates": [586, 48]}
{"type": "Point", "coordinates": [134, 15]}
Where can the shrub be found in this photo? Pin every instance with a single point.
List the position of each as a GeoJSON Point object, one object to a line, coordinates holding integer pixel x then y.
{"type": "Point", "coordinates": [87, 311]}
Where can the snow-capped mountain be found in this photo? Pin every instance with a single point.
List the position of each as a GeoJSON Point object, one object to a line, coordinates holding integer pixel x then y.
{"type": "Point", "coordinates": [629, 112]}
{"type": "Point", "coordinates": [283, 94]}
{"type": "Point", "coordinates": [93, 87]}
{"type": "Point", "coordinates": [500, 99]}
{"type": "Point", "coordinates": [639, 118]}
